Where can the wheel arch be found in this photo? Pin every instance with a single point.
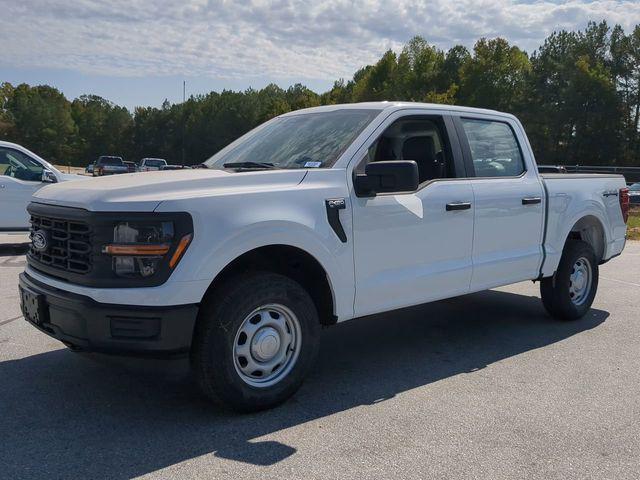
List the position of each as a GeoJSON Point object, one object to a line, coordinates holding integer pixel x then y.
{"type": "Point", "coordinates": [590, 229]}
{"type": "Point", "coordinates": [291, 261]}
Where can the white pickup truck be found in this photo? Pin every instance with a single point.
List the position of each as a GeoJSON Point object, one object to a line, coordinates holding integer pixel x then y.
{"type": "Point", "coordinates": [315, 217]}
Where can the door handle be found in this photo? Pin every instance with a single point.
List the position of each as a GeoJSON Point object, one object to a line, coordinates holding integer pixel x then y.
{"type": "Point", "coordinates": [531, 200]}
{"type": "Point", "coordinates": [458, 206]}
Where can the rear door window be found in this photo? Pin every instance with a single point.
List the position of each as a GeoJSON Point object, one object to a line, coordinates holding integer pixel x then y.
{"type": "Point", "coordinates": [495, 151]}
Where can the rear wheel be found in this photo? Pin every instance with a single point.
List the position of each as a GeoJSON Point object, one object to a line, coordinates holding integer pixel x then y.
{"type": "Point", "coordinates": [568, 295]}
{"type": "Point", "coordinates": [255, 340]}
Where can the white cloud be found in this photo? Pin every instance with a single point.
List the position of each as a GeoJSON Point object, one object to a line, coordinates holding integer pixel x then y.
{"type": "Point", "coordinates": [268, 39]}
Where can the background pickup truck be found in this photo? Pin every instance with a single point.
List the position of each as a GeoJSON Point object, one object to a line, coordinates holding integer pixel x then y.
{"type": "Point", "coordinates": [315, 217]}
{"type": "Point", "coordinates": [106, 165]}
{"type": "Point", "coordinates": [151, 164]}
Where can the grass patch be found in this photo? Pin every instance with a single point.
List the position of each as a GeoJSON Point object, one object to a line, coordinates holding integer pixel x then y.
{"type": "Point", "coordinates": [633, 225]}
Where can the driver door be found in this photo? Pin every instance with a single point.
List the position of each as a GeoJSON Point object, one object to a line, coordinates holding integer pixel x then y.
{"type": "Point", "coordinates": [414, 247]}
{"type": "Point", "coordinates": [20, 177]}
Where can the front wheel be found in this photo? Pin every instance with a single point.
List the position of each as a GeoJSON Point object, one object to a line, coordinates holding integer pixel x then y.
{"type": "Point", "coordinates": [255, 341]}
{"type": "Point", "coordinates": [568, 295]}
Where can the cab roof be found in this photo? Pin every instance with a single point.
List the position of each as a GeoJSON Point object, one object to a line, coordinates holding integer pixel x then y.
{"type": "Point", "coordinates": [397, 105]}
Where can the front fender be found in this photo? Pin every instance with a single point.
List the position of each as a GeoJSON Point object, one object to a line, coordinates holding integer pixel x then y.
{"type": "Point", "coordinates": [326, 251]}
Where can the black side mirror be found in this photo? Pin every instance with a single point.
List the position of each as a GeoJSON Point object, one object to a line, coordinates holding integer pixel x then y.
{"type": "Point", "coordinates": [48, 176]}
{"type": "Point", "coordinates": [387, 176]}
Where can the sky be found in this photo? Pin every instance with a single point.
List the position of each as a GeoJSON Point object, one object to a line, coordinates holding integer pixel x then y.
{"type": "Point", "coordinates": [139, 52]}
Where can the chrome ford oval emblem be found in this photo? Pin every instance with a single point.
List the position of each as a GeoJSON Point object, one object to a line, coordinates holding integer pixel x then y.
{"type": "Point", "coordinates": [39, 240]}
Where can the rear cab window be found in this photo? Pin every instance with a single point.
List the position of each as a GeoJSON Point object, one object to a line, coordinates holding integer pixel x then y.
{"type": "Point", "coordinates": [154, 163]}
{"type": "Point", "coordinates": [113, 161]}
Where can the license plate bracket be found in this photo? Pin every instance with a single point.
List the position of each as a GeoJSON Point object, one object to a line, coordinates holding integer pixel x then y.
{"type": "Point", "coordinates": [34, 306]}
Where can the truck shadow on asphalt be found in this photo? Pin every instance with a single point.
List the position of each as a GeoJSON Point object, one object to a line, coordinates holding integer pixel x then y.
{"type": "Point", "coordinates": [69, 415]}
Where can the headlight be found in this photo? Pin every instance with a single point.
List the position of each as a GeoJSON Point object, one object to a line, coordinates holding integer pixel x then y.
{"type": "Point", "coordinates": [140, 248]}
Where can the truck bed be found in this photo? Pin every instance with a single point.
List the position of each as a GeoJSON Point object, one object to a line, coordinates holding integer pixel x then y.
{"type": "Point", "coordinates": [594, 197]}
{"type": "Point", "coordinates": [556, 176]}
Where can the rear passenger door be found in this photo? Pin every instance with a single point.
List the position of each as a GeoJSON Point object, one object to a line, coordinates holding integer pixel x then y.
{"type": "Point", "coordinates": [509, 201]}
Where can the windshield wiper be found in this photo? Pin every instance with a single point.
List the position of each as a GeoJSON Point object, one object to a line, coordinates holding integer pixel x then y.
{"type": "Point", "coordinates": [250, 165]}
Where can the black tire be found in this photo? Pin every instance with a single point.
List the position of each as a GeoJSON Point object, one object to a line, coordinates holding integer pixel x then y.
{"type": "Point", "coordinates": [555, 291]}
{"type": "Point", "coordinates": [221, 316]}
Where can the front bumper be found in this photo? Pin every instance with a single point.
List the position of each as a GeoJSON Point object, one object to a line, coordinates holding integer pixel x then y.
{"type": "Point", "coordinates": [84, 324]}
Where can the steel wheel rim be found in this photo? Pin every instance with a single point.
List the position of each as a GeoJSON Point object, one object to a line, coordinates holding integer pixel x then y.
{"type": "Point", "coordinates": [267, 345]}
{"type": "Point", "coordinates": [580, 281]}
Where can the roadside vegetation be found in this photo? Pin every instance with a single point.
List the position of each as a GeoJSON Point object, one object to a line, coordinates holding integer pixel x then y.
{"type": "Point", "coordinates": [633, 225]}
{"type": "Point", "coordinates": [578, 96]}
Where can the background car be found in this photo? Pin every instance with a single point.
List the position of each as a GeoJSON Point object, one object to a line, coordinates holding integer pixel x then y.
{"type": "Point", "coordinates": [22, 173]}
{"type": "Point", "coordinates": [109, 165]}
{"type": "Point", "coordinates": [634, 194]}
{"type": "Point", "coordinates": [151, 164]}
{"type": "Point", "coordinates": [131, 166]}
{"type": "Point", "coordinates": [89, 169]}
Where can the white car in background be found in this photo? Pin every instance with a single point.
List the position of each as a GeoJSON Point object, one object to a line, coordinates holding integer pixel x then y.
{"type": "Point", "coordinates": [151, 164]}
{"type": "Point", "coordinates": [22, 173]}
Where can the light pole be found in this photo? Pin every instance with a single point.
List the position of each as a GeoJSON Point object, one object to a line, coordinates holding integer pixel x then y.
{"type": "Point", "coordinates": [184, 119]}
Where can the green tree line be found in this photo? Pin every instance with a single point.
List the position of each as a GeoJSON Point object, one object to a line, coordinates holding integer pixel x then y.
{"type": "Point", "coordinates": [578, 96]}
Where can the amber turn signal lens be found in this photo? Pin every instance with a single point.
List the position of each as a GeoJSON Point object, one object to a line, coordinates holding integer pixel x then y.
{"type": "Point", "coordinates": [137, 250]}
{"type": "Point", "coordinates": [182, 246]}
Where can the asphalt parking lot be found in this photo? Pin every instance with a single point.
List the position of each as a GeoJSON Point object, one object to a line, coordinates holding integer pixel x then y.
{"type": "Point", "coordinates": [482, 386]}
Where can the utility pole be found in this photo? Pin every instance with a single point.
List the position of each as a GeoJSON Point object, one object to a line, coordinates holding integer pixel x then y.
{"type": "Point", "coordinates": [184, 116]}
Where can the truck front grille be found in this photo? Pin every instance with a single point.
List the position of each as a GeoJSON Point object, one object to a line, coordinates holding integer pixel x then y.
{"type": "Point", "coordinates": [68, 244]}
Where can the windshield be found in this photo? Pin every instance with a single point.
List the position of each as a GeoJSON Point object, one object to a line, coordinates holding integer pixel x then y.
{"type": "Point", "coordinates": [312, 140]}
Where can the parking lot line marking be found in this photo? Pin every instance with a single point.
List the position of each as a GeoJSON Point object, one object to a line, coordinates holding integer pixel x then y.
{"type": "Point", "coordinates": [621, 281]}
{"type": "Point", "coordinates": [4, 322]}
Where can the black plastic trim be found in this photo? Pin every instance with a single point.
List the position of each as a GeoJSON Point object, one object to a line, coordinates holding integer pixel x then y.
{"type": "Point", "coordinates": [20, 229]}
{"type": "Point", "coordinates": [333, 206]}
{"type": "Point", "coordinates": [84, 324]}
{"type": "Point", "coordinates": [458, 206]}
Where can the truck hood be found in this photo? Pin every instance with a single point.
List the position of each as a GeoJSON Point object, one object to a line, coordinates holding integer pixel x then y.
{"type": "Point", "coordinates": [143, 192]}
{"type": "Point", "coordinates": [66, 177]}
